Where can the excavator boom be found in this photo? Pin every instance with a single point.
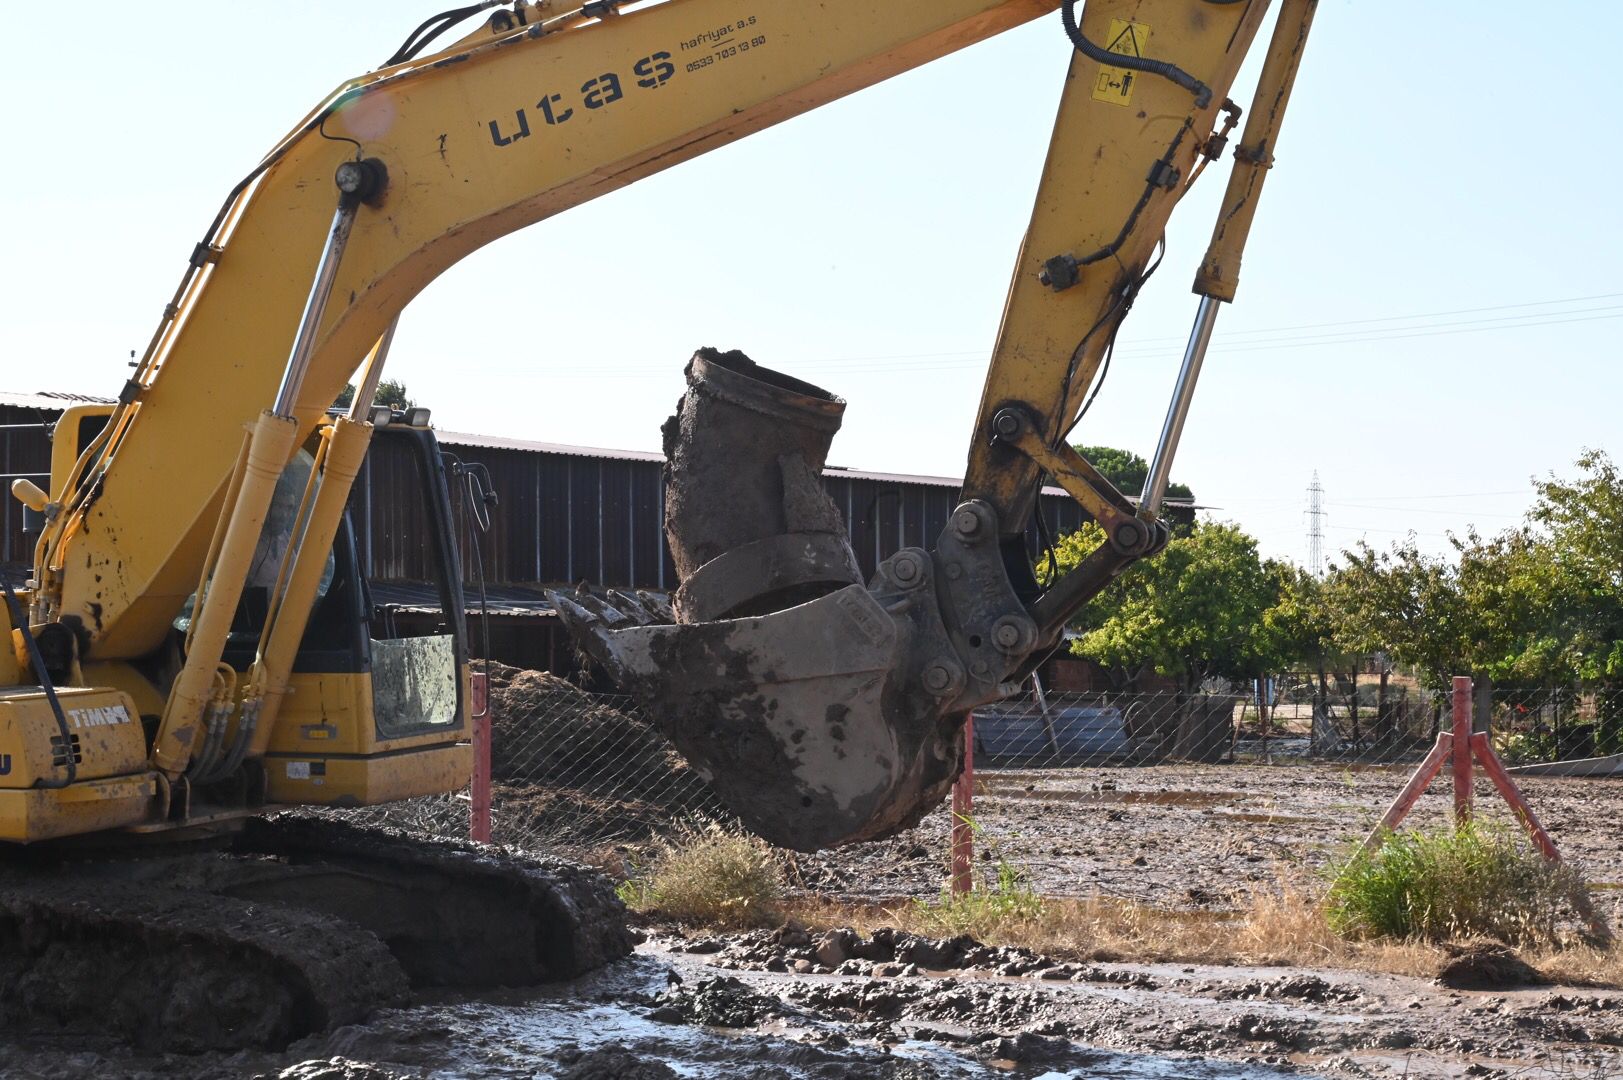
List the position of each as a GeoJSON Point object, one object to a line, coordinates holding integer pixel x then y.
{"type": "Point", "coordinates": [825, 709]}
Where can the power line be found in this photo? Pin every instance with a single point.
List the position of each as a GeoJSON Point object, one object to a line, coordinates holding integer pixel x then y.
{"type": "Point", "coordinates": [1404, 318]}
{"type": "Point", "coordinates": [1227, 342]}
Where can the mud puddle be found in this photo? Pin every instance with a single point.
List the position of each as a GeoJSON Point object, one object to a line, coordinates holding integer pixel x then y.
{"type": "Point", "coordinates": [664, 1014]}
{"type": "Point", "coordinates": [792, 1004]}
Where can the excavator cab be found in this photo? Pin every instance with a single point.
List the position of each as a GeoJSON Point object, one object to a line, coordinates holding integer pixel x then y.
{"type": "Point", "coordinates": [377, 705]}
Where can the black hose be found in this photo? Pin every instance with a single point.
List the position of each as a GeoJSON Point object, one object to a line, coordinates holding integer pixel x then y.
{"type": "Point", "coordinates": [1202, 92]}
{"type": "Point", "coordinates": [419, 39]}
{"type": "Point", "coordinates": [475, 495]}
{"type": "Point", "coordinates": [19, 619]}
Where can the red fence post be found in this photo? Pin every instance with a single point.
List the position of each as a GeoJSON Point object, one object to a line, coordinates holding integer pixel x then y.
{"type": "Point", "coordinates": [1462, 750]}
{"type": "Point", "coordinates": [963, 809]}
{"type": "Point", "coordinates": [479, 789]}
{"type": "Point", "coordinates": [1422, 778]}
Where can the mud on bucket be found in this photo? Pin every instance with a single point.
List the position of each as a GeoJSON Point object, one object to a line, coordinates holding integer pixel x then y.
{"type": "Point", "coordinates": [785, 682]}
{"type": "Point", "coordinates": [751, 528]}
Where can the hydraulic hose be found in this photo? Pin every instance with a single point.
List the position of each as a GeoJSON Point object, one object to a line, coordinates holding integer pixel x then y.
{"type": "Point", "coordinates": [1202, 92]}
{"type": "Point", "coordinates": [20, 621]}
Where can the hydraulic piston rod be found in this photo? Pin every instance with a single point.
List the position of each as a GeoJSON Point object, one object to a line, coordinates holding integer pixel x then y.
{"type": "Point", "coordinates": [1200, 336]}
{"type": "Point", "coordinates": [271, 444]}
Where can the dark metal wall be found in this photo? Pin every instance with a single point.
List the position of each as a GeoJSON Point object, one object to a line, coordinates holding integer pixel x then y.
{"type": "Point", "coordinates": [24, 452]}
{"type": "Point", "coordinates": [568, 518]}
{"type": "Point", "coordinates": [562, 517]}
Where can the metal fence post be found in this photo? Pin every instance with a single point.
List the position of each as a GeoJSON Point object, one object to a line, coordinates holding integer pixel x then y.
{"type": "Point", "coordinates": [1462, 750]}
{"type": "Point", "coordinates": [479, 789]}
{"type": "Point", "coordinates": [963, 809]}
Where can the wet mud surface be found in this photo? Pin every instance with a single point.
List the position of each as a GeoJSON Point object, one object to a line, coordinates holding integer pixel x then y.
{"type": "Point", "coordinates": [789, 1004]}
{"type": "Point", "coordinates": [1181, 837]}
{"type": "Point", "coordinates": [300, 925]}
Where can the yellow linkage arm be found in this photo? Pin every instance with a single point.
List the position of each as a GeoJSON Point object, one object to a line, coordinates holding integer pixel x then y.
{"type": "Point", "coordinates": [1219, 272]}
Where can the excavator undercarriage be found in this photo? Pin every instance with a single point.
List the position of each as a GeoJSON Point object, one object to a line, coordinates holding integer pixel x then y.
{"type": "Point", "coordinates": [293, 925]}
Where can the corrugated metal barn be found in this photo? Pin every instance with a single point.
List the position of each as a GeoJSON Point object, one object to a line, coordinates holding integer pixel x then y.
{"type": "Point", "coordinates": [576, 513]}
{"type": "Point", "coordinates": [569, 514]}
{"type": "Point", "coordinates": [566, 514]}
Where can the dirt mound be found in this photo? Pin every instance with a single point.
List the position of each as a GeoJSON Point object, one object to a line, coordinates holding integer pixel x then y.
{"type": "Point", "coordinates": [571, 766]}
{"type": "Point", "coordinates": [1486, 965]}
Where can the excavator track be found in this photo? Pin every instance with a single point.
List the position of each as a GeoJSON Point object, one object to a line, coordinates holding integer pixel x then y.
{"type": "Point", "coordinates": [296, 926]}
{"type": "Point", "coordinates": [473, 915]}
{"type": "Point", "coordinates": [171, 970]}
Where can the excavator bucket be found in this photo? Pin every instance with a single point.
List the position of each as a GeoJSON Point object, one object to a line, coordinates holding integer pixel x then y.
{"type": "Point", "coordinates": [798, 691]}
{"type": "Point", "coordinates": [788, 715]}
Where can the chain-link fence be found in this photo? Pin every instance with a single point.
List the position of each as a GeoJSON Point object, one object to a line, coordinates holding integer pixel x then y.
{"type": "Point", "coordinates": [1289, 720]}
{"type": "Point", "coordinates": [1170, 799]}
{"type": "Point", "coordinates": [1192, 801]}
{"type": "Point", "coordinates": [570, 771]}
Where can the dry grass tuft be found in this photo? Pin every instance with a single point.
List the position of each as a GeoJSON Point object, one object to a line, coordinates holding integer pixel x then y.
{"type": "Point", "coordinates": [709, 875]}
{"type": "Point", "coordinates": [1282, 925]}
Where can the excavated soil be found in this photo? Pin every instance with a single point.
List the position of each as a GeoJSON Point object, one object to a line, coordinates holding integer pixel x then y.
{"type": "Point", "coordinates": [569, 768]}
{"type": "Point", "coordinates": [1183, 837]}
{"type": "Point", "coordinates": [787, 1005]}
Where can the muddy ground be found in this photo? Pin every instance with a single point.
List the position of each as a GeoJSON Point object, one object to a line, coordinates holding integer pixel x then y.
{"type": "Point", "coordinates": [777, 1005]}
{"type": "Point", "coordinates": [1183, 837]}
{"type": "Point", "coordinates": [768, 1004]}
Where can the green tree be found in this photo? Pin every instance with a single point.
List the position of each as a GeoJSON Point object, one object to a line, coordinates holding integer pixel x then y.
{"type": "Point", "coordinates": [1128, 472]}
{"type": "Point", "coordinates": [1197, 610]}
{"type": "Point", "coordinates": [1300, 624]}
{"type": "Point", "coordinates": [1542, 602]}
{"type": "Point", "coordinates": [1583, 523]}
{"type": "Point", "coordinates": [391, 392]}
{"type": "Point", "coordinates": [1404, 603]}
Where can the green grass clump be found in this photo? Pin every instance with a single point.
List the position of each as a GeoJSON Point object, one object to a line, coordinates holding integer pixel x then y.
{"type": "Point", "coordinates": [999, 901]}
{"type": "Point", "coordinates": [709, 875]}
{"type": "Point", "coordinates": [991, 908]}
{"type": "Point", "coordinates": [1476, 881]}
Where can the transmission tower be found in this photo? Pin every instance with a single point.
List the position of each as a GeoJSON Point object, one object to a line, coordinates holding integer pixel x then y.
{"type": "Point", "coordinates": [1315, 527]}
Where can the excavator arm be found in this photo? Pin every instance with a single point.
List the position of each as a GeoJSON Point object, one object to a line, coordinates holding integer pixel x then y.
{"type": "Point", "coordinates": [850, 704]}
{"type": "Point", "coordinates": [824, 709]}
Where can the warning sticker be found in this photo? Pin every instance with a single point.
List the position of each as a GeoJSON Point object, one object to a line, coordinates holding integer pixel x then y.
{"type": "Point", "coordinates": [298, 770]}
{"type": "Point", "coordinates": [1115, 84]}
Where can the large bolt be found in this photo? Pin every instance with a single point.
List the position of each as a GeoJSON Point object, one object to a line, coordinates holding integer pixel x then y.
{"type": "Point", "coordinates": [966, 522]}
{"type": "Point", "coordinates": [1014, 633]}
{"type": "Point", "coordinates": [1128, 537]}
{"type": "Point", "coordinates": [937, 678]}
{"type": "Point", "coordinates": [1007, 423]}
{"type": "Point", "coordinates": [906, 568]}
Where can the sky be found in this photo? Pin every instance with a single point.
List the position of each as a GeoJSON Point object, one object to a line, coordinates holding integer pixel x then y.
{"type": "Point", "coordinates": [1428, 314]}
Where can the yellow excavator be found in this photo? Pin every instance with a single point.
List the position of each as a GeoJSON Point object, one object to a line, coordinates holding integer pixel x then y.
{"type": "Point", "coordinates": [197, 647]}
